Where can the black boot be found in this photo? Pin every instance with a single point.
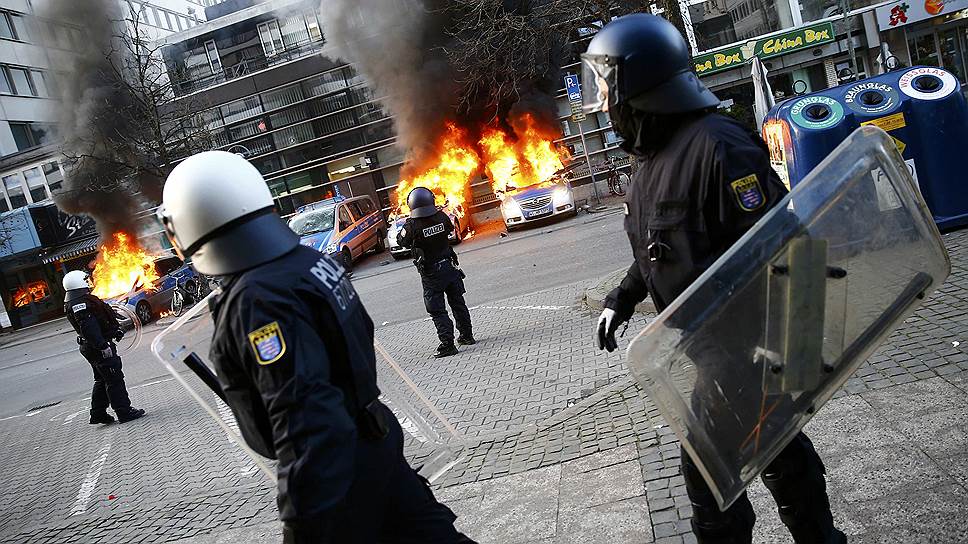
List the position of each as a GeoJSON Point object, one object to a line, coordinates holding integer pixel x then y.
{"type": "Point", "coordinates": [101, 419]}
{"type": "Point", "coordinates": [131, 415]}
{"type": "Point", "coordinates": [466, 340]}
{"type": "Point", "coordinates": [446, 349]}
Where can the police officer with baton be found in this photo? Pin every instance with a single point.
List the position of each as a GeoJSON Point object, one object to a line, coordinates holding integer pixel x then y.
{"type": "Point", "coordinates": [427, 232]}
{"type": "Point", "coordinates": [703, 180]}
{"type": "Point", "coordinates": [293, 352]}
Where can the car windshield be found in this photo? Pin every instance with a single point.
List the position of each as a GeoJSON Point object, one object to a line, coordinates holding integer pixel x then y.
{"type": "Point", "coordinates": [313, 221]}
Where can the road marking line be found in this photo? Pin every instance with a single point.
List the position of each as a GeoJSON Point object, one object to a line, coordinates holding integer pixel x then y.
{"type": "Point", "coordinates": [523, 307]}
{"type": "Point", "coordinates": [90, 481]}
{"type": "Point", "coordinates": [11, 417]}
{"type": "Point", "coordinates": [156, 382]}
{"type": "Point", "coordinates": [247, 468]}
{"type": "Point", "coordinates": [70, 417]}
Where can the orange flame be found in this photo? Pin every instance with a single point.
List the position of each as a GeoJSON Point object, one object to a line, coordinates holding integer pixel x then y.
{"type": "Point", "coordinates": [32, 292]}
{"type": "Point", "coordinates": [121, 265]}
{"type": "Point", "coordinates": [528, 159]}
{"type": "Point", "coordinates": [448, 176]}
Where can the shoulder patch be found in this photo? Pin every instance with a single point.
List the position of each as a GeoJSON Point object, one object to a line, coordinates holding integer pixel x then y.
{"type": "Point", "coordinates": [267, 343]}
{"type": "Point", "coordinates": [749, 194]}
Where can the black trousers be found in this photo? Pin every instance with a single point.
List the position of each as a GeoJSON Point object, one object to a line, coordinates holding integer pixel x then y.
{"type": "Point", "coordinates": [109, 386]}
{"type": "Point", "coordinates": [796, 481]}
{"type": "Point", "coordinates": [389, 503]}
{"type": "Point", "coordinates": [442, 279]}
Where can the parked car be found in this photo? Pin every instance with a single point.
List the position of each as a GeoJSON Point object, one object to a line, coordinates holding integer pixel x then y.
{"type": "Point", "coordinates": [398, 252]}
{"type": "Point", "coordinates": [148, 304]}
{"type": "Point", "coordinates": [537, 202]}
{"type": "Point", "coordinates": [343, 227]}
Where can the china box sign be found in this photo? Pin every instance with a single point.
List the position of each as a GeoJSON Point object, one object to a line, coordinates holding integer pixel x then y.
{"type": "Point", "coordinates": [765, 48]}
{"type": "Point", "coordinates": [904, 12]}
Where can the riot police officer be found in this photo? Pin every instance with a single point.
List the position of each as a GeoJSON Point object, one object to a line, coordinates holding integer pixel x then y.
{"type": "Point", "coordinates": [703, 180]}
{"type": "Point", "coordinates": [97, 328]}
{"type": "Point", "coordinates": [426, 232]}
{"type": "Point", "coordinates": [293, 351]}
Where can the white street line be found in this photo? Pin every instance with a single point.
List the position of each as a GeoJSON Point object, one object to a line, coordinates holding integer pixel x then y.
{"type": "Point", "coordinates": [11, 417]}
{"type": "Point", "coordinates": [90, 481]}
{"type": "Point", "coordinates": [70, 417]}
{"type": "Point", "coordinates": [247, 468]}
{"type": "Point", "coordinates": [524, 307]}
{"type": "Point", "coordinates": [156, 382]}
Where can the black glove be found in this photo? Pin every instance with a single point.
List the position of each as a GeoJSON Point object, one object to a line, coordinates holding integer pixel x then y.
{"type": "Point", "coordinates": [118, 335]}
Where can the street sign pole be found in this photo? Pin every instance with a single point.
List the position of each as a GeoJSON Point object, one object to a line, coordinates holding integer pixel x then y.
{"type": "Point", "coordinates": [573, 88]}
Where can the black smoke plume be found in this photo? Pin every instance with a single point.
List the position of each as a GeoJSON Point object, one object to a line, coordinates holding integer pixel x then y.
{"type": "Point", "coordinates": [102, 121]}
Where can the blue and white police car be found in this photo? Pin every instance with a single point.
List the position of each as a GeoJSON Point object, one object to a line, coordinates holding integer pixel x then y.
{"type": "Point", "coordinates": [344, 228]}
{"type": "Point", "coordinates": [148, 304]}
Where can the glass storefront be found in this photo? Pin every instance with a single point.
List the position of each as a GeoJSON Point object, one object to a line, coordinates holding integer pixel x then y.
{"type": "Point", "coordinates": [945, 46]}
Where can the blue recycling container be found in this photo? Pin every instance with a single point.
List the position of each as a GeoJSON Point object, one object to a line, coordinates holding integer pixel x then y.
{"type": "Point", "coordinates": [922, 108]}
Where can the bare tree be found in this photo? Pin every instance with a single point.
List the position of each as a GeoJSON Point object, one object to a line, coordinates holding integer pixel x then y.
{"type": "Point", "coordinates": [122, 127]}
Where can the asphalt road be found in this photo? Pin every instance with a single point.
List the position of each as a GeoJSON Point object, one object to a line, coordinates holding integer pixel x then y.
{"type": "Point", "coordinates": [585, 247]}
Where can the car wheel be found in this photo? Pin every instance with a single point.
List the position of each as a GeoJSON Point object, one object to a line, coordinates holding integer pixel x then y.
{"type": "Point", "coordinates": [398, 256]}
{"type": "Point", "coordinates": [381, 246]}
{"type": "Point", "coordinates": [143, 311]}
{"type": "Point", "coordinates": [347, 259]}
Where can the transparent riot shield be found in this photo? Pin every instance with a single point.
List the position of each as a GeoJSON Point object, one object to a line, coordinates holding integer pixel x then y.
{"type": "Point", "coordinates": [431, 443]}
{"type": "Point", "coordinates": [132, 328]}
{"type": "Point", "coordinates": [741, 360]}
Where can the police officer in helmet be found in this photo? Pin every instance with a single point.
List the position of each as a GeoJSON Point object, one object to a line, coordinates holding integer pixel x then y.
{"type": "Point", "coordinates": [97, 329]}
{"type": "Point", "coordinates": [703, 180]}
{"type": "Point", "coordinates": [426, 232]}
{"type": "Point", "coordinates": [293, 351]}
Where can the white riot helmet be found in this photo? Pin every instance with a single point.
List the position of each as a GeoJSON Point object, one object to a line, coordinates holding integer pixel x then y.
{"type": "Point", "coordinates": [218, 211]}
{"type": "Point", "coordinates": [76, 279]}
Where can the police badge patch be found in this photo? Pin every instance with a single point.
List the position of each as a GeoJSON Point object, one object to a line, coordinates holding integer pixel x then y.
{"type": "Point", "coordinates": [268, 344]}
{"type": "Point", "coordinates": [748, 193]}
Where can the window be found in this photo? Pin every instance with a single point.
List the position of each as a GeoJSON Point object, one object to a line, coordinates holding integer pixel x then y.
{"type": "Point", "coordinates": [282, 97]}
{"type": "Point", "coordinates": [5, 83]}
{"type": "Point", "coordinates": [54, 176]}
{"type": "Point", "coordinates": [35, 184]}
{"type": "Point", "coordinates": [156, 15]}
{"type": "Point", "coordinates": [40, 83]}
{"type": "Point", "coordinates": [28, 135]}
{"type": "Point", "coordinates": [241, 109]}
{"type": "Point", "coordinates": [21, 83]}
{"type": "Point", "coordinates": [6, 27]}
{"type": "Point", "coordinates": [344, 218]}
{"type": "Point", "coordinates": [169, 24]}
{"type": "Point", "coordinates": [271, 38]}
{"type": "Point", "coordinates": [214, 62]}
{"type": "Point", "coordinates": [293, 30]}
{"type": "Point", "coordinates": [15, 191]}
{"type": "Point", "coordinates": [19, 27]}
{"type": "Point", "coordinates": [313, 25]}
{"type": "Point", "coordinates": [182, 22]}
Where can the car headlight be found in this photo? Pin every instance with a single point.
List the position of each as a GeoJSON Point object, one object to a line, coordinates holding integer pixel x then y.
{"type": "Point", "coordinates": [332, 248]}
{"type": "Point", "coordinates": [511, 208]}
{"type": "Point", "coordinates": [562, 196]}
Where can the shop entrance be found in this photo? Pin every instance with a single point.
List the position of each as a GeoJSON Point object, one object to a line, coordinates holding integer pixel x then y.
{"type": "Point", "coordinates": [946, 47]}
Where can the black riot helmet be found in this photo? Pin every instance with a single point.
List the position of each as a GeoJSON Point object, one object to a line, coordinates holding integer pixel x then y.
{"type": "Point", "coordinates": [421, 202]}
{"type": "Point", "coordinates": [642, 61]}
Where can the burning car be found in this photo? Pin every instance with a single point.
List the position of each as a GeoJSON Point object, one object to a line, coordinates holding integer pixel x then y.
{"type": "Point", "coordinates": [552, 197]}
{"type": "Point", "coordinates": [396, 223]}
{"type": "Point", "coordinates": [150, 301]}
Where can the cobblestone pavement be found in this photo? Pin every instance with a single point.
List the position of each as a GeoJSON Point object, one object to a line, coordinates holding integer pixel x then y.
{"type": "Point", "coordinates": [563, 447]}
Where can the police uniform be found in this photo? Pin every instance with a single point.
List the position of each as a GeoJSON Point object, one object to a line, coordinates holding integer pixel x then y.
{"type": "Point", "coordinates": [293, 350]}
{"type": "Point", "coordinates": [439, 274]}
{"type": "Point", "coordinates": [96, 327]}
{"type": "Point", "coordinates": [692, 197]}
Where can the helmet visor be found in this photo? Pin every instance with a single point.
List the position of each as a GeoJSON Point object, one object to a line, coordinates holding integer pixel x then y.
{"type": "Point", "coordinates": [599, 80]}
{"type": "Point", "coordinates": [165, 218]}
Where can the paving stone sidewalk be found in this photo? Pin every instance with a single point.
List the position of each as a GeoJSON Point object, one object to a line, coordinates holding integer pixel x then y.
{"type": "Point", "coordinates": [563, 447]}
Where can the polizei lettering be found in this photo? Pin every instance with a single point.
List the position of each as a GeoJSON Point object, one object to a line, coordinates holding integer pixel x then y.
{"type": "Point", "coordinates": [333, 277]}
{"type": "Point", "coordinates": [432, 230]}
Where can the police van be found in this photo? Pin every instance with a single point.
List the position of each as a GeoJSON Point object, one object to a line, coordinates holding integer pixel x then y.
{"type": "Point", "coordinates": [344, 228]}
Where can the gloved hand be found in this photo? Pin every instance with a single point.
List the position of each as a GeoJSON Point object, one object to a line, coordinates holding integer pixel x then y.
{"type": "Point", "coordinates": [608, 323]}
{"type": "Point", "coordinates": [118, 335]}
{"type": "Point", "coordinates": [107, 352]}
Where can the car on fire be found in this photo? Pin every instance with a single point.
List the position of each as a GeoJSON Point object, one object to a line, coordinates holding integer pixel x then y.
{"type": "Point", "coordinates": [457, 217]}
{"type": "Point", "coordinates": [149, 303]}
{"type": "Point", "coordinates": [548, 199]}
{"type": "Point", "coordinates": [344, 228]}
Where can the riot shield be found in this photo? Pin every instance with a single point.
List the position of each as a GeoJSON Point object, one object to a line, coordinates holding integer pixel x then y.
{"type": "Point", "coordinates": [741, 360]}
{"type": "Point", "coordinates": [128, 320]}
{"type": "Point", "coordinates": [431, 442]}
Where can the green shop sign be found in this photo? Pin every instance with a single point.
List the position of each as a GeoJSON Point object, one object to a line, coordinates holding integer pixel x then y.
{"type": "Point", "coordinates": [764, 48]}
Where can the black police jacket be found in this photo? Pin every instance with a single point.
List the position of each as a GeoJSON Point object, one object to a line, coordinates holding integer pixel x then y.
{"type": "Point", "coordinates": [92, 319]}
{"type": "Point", "coordinates": [688, 202]}
{"type": "Point", "coordinates": [427, 237]}
{"type": "Point", "coordinates": [293, 350]}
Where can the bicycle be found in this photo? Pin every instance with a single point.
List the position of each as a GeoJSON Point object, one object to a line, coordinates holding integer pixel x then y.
{"type": "Point", "coordinates": [617, 179]}
{"type": "Point", "coordinates": [189, 292]}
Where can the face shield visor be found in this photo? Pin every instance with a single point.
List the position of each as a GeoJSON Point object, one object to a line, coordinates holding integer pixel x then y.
{"type": "Point", "coordinates": [599, 79]}
{"type": "Point", "coordinates": [165, 218]}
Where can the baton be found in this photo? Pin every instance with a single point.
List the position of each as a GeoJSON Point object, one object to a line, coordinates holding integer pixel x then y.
{"type": "Point", "coordinates": [195, 364]}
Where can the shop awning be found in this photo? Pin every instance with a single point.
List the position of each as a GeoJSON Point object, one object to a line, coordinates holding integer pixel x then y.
{"type": "Point", "coordinates": [71, 250]}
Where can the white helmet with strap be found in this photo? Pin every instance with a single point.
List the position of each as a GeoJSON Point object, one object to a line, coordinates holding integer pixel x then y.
{"type": "Point", "coordinates": [76, 279]}
{"type": "Point", "coordinates": [218, 211]}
